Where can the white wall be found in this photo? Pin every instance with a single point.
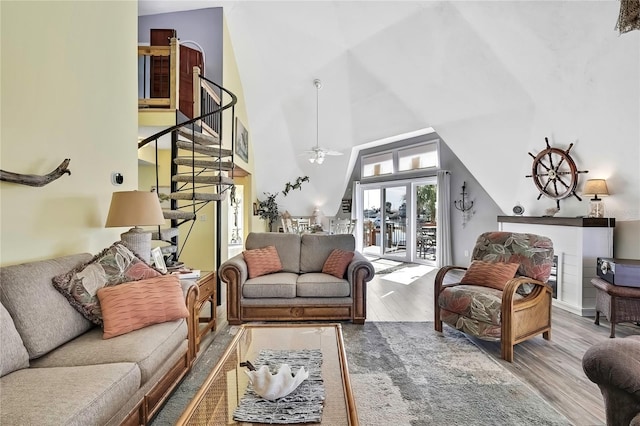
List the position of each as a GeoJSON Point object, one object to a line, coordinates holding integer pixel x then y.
{"type": "Point", "coordinates": [69, 90]}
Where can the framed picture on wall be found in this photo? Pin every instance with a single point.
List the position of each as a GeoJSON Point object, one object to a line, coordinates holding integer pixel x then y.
{"type": "Point", "coordinates": [242, 141]}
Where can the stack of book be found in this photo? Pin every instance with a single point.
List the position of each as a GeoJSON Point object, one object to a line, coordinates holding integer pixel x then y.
{"type": "Point", "coordinates": [187, 273]}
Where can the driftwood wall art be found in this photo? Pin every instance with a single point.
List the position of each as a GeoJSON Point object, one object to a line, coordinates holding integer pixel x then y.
{"type": "Point", "coordinates": [36, 180]}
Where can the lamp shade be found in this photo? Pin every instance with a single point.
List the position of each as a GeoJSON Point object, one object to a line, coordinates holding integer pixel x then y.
{"type": "Point", "coordinates": [595, 187]}
{"type": "Point", "coordinates": [134, 208]}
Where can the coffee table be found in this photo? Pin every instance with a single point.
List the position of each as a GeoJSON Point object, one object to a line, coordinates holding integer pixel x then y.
{"type": "Point", "coordinates": [221, 392]}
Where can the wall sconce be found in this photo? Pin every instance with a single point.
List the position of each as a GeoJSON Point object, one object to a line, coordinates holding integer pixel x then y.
{"type": "Point", "coordinates": [596, 187]}
{"type": "Point", "coordinates": [464, 205]}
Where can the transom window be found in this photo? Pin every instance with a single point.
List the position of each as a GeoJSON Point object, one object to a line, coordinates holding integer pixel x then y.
{"type": "Point", "coordinates": [401, 160]}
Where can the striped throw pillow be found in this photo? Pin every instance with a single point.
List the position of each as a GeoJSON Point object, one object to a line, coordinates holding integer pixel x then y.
{"type": "Point", "coordinates": [132, 306]}
{"type": "Point", "coordinates": [262, 261]}
{"type": "Point", "coordinates": [337, 262]}
{"type": "Point", "coordinates": [489, 274]}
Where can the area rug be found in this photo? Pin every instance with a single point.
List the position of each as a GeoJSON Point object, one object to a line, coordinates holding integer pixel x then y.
{"type": "Point", "coordinates": [404, 373]}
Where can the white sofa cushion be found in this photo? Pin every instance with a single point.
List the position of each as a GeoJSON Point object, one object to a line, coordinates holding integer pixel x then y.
{"type": "Point", "coordinates": [13, 354]}
{"type": "Point", "coordinates": [316, 248]}
{"type": "Point", "coordinates": [288, 246]}
{"type": "Point", "coordinates": [280, 284]}
{"type": "Point", "coordinates": [85, 395]}
{"type": "Point", "coordinates": [42, 316]}
{"type": "Point", "coordinates": [317, 284]}
{"type": "Point", "coordinates": [148, 347]}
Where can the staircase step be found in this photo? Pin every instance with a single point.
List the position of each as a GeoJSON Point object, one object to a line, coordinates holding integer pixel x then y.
{"type": "Point", "coordinates": [178, 214]}
{"type": "Point", "coordinates": [203, 179]}
{"type": "Point", "coordinates": [202, 196]}
{"type": "Point", "coordinates": [168, 249]}
{"type": "Point", "coordinates": [206, 150]}
{"type": "Point", "coordinates": [199, 138]}
{"type": "Point", "coordinates": [207, 164]}
{"type": "Point", "coordinates": [165, 234]}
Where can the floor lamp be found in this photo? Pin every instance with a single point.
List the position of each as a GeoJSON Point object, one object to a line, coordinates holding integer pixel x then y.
{"type": "Point", "coordinates": [135, 208]}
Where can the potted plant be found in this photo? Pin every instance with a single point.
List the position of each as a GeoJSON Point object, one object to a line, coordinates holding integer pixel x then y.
{"type": "Point", "coordinates": [268, 209]}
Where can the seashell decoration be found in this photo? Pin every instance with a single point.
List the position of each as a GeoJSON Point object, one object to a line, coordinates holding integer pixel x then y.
{"type": "Point", "coordinates": [274, 386]}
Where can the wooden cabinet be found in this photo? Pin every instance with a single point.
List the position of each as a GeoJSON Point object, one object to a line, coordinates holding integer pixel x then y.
{"type": "Point", "coordinates": [206, 306]}
{"type": "Point", "coordinates": [577, 242]}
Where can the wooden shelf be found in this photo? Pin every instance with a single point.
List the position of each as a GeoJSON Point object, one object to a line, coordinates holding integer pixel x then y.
{"type": "Point", "coordinates": [583, 222]}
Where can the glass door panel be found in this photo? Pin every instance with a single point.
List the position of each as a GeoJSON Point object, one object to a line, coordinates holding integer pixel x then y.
{"type": "Point", "coordinates": [371, 202]}
{"type": "Point", "coordinates": [394, 222]}
{"type": "Point", "coordinates": [425, 220]}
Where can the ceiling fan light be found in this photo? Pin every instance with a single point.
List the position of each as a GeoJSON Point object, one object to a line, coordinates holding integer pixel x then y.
{"type": "Point", "coordinates": [320, 160]}
{"type": "Point", "coordinates": [312, 160]}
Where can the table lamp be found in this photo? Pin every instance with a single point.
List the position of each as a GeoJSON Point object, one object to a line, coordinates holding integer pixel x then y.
{"type": "Point", "coordinates": [135, 208]}
{"type": "Point", "coordinates": [596, 187]}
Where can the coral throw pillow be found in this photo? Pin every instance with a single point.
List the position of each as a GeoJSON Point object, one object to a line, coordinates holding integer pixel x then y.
{"type": "Point", "coordinates": [262, 261]}
{"type": "Point", "coordinates": [490, 274]}
{"type": "Point", "coordinates": [337, 262]}
{"type": "Point", "coordinates": [114, 265]}
{"type": "Point", "coordinates": [132, 306]}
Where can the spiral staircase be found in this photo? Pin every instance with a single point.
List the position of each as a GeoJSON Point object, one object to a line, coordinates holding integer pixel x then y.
{"type": "Point", "coordinates": [201, 168]}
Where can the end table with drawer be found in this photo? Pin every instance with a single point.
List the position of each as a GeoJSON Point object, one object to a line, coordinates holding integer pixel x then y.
{"type": "Point", "coordinates": [207, 288]}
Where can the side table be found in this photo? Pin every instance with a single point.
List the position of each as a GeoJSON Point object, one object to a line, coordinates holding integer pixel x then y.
{"type": "Point", "coordinates": [207, 287]}
{"type": "Point", "coordinates": [618, 303]}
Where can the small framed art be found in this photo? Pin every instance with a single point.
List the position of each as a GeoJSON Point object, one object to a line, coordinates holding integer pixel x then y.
{"type": "Point", "coordinates": [242, 141]}
{"type": "Point", "coordinates": [158, 260]}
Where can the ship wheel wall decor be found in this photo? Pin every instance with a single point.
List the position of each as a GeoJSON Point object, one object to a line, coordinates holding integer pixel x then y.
{"type": "Point", "coordinates": [555, 173]}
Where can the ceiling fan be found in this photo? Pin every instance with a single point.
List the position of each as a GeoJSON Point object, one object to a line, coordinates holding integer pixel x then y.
{"type": "Point", "coordinates": [317, 154]}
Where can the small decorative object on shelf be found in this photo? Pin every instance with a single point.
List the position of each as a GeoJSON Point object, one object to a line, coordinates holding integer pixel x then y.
{"type": "Point", "coordinates": [464, 206]}
{"type": "Point", "coordinates": [550, 212]}
{"type": "Point", "coordinates": [518, 210]}
{"type": "Point", "coordinates": [187, 273]}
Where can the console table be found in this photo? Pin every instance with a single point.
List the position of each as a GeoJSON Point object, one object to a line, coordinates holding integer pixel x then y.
{"type": "Point", "coordinates": [577, 243]}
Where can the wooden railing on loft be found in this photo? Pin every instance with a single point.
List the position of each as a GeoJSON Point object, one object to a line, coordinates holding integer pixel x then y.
{"type": "Point", "coordinates": [205, 98]}
{"type": "Point", "coordinates": [167, 58]}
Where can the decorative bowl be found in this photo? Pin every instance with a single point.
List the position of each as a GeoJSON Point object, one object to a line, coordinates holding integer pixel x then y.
{"type": "Point", "coordinates": [274, 386]}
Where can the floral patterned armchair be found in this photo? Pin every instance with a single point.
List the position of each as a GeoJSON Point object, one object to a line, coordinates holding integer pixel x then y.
{"type": "Point", "coordinates": [504, 295]}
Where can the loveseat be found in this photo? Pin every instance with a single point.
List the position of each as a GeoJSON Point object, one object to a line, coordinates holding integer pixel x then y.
{"type": "Point", "coordinates": [297, 289]}
{"type": "Point", "coordinates": [57, 369]}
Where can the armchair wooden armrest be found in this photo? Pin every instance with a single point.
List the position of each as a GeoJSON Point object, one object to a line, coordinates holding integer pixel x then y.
{"type": "Point", "coordinates": [526, 317]}
{"type": "Point", "coordinates": [191, 292]}
{"type": "Point", "coordinates": [234, 273]}
{"type": "Point", "coordinates": [437, 288]}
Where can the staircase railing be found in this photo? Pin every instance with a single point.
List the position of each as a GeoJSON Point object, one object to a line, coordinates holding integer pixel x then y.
{"type": "Point", "coordinates": [205, 134]}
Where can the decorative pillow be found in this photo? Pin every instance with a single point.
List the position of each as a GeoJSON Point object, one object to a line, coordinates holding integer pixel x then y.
{"type": "Point", "coordinates": [114, 265]}
{"type": "Point", "coordinates": [337, 262]}
{"type": "Point", "coordinates": [132, 306]}
{"type": "Point", "coordinates": [262, 261]}
{"type": "Point", "coordinates": [489, 274]}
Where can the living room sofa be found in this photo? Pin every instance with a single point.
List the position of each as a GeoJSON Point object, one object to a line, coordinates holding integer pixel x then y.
{"type": "Point", "coordinates": [300, 290]}
{"type": "Point", "coordinates": [56, 367]}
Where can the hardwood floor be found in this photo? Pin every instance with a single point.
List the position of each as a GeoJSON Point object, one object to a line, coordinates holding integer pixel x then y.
{"type": "Point", "coordinates": [553, 368]}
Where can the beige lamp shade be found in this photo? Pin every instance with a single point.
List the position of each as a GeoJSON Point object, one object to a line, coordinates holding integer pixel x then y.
{"type": "Point", "coordinates": [135, 208]}
{"type": "Point", "coordinates": [595, 187]}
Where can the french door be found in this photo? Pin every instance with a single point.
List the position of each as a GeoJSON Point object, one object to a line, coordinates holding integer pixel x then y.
{"type": "Point", "coordinates": [398, 220]}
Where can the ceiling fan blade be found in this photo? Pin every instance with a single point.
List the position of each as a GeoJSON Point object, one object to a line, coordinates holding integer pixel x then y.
{"type": "Point", "coordinates": [330, 152]}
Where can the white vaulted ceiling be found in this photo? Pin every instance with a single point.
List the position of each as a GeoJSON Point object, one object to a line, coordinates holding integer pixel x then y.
{"type": "Point", "coordinates": [492, 78]}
